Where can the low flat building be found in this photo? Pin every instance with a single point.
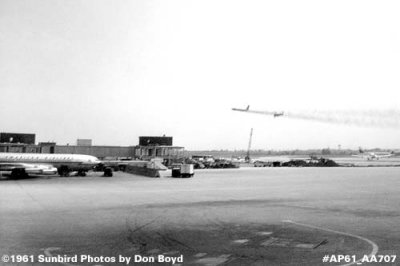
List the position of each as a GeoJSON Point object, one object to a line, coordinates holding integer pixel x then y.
{"type": "Point", "coordinates": [100, 152]}
{"type": "Point", "coordinates": [19, 148]}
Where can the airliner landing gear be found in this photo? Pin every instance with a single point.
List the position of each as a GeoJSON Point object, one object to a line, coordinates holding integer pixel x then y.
{"type": "Point", "coordinates": [108, 172]}
{"type": "Point", "coordinates": [18, 173]}
{"type": "Point", "coordinates": [81, 173]}
{"type": "Point", "coordinates": [63, 171]}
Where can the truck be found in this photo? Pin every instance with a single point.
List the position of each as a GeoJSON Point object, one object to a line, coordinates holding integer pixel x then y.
{"type": "Point", "coordinates": [183, 170]}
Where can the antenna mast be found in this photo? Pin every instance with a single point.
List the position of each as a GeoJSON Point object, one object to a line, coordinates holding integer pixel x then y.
{"type": "Point", "coordinates": [247, 158]}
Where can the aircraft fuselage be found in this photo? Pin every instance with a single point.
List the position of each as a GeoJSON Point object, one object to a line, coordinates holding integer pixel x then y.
{"type": "Point", "coordinates": [64, 163]}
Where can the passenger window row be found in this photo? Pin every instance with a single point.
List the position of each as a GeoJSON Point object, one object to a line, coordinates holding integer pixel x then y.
{"type": "Point", "coordinates": [37, 158]}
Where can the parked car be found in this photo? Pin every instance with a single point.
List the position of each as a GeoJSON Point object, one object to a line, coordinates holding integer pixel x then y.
{"type": "Point", "coordinates": [261, 164]}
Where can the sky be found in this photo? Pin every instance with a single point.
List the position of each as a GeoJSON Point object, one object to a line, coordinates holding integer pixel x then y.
{"type": "Point", "coordinates": [114, 70]}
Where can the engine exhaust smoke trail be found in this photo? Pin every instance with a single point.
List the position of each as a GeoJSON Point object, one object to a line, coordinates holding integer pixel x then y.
{"type": "Point", "coordinates": [389, 118]}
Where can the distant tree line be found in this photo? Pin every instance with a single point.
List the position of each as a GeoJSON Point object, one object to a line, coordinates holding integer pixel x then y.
{"type": "Point", "coordinates": [260, 152]}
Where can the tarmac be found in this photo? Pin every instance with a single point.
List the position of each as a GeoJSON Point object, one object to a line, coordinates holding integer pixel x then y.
{"type": "Point", "coordinates": [247, 216]}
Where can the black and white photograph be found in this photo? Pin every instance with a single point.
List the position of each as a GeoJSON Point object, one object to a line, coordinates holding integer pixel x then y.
{"type": "Point", "coordinates": [204, 133]}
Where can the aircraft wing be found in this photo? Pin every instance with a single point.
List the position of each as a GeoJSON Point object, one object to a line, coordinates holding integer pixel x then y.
{"type": "Point", "coordinates": [30, 168]}
{"type": "Point", "coordinates": [384, 155]}
{"type": "Point", "coordinates": [361, 155]}
{"type": "Point", "coordinates": [242, 110]}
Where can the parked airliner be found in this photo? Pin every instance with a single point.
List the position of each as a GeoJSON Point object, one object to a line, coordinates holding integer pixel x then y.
{"type": "Point", "coordinates": [373, 155]}
{"type": "Point", "coordinates": [21, 164]}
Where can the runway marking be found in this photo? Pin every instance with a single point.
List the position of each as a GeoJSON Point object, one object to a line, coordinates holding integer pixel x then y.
{"type": "Point", "coordinates": [373, 244]}
{"type": "Point", "coordinates": [264, 233]}
{"type": "Point", "coordinates": [213, 261]}
{"type": "Point", "coordinates": [48, 253]}
{"type": "Point", "coordinates": [306, 246]}
{"type": "Point", "coordinates": [174, 252]}
{"type": "Point", "coordinates": [240, 241]}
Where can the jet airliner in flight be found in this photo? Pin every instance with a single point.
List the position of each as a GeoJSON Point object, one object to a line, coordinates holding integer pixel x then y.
{"type": "Point", "coordinates": [247, 110]}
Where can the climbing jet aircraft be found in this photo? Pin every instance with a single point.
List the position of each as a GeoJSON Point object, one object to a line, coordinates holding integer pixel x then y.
{"type": "Point", "coordinates": [247, 110]}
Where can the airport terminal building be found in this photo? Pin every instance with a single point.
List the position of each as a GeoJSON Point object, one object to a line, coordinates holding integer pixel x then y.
{"type": "Point", "coordinates": [149, 147]}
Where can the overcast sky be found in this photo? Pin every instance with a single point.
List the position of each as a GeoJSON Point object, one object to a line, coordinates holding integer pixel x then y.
{"type": "Point", "coordinates": [115, 70]}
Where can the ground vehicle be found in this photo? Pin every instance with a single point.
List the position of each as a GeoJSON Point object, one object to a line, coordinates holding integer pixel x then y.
{"type": "Point", "coordinates": [183, 170]}
{"type": "Point", "coordinates": [261, 164]}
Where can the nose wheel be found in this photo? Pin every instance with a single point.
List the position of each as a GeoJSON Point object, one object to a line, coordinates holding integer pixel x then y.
{"type": "Point", "coordinates": [81, 173]}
